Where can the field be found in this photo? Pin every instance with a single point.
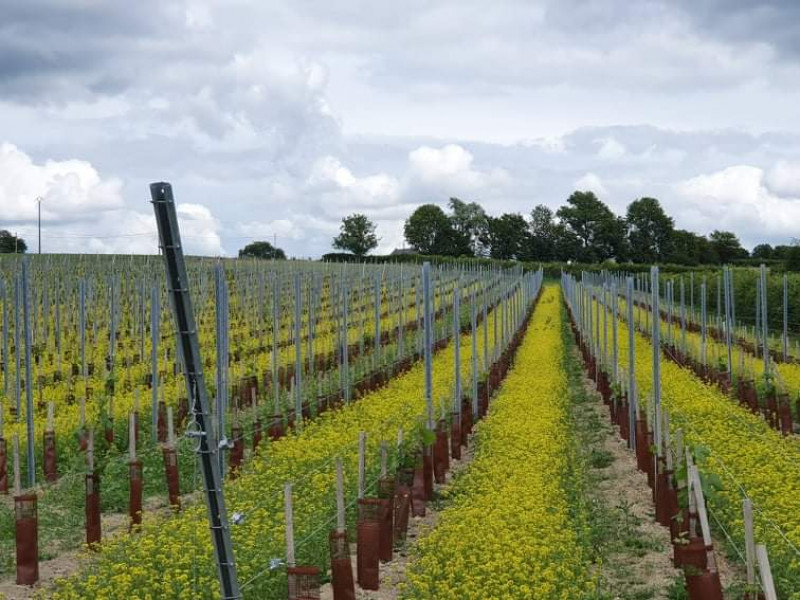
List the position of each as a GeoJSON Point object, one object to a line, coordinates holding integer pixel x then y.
{"type": "Point", "coordinates": [463, 431]}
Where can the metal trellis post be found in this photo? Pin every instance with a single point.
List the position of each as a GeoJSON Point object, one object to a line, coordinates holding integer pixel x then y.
{"type": "Point", "coordinates": [186, 328]}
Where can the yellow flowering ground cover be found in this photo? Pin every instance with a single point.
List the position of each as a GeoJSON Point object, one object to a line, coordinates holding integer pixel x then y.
{"type": "Point", "coordinates": [508, 532]}
{"type": "Point", "coordinates": [744, 452]}
{"type": "Point", "coordinates": [130, 377]}
{"type": "Point", "coordinates": [173, 558]}
{"type": "Point", "coordinates": [744, 362]}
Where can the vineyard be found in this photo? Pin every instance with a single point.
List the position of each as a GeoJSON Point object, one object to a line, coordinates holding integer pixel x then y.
{"type": "Point", "coordinates": [308, 430]}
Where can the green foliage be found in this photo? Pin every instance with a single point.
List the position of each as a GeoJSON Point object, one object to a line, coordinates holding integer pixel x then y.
{"type": "Point", "coordinates": [430, 231]}
{"type": "Point", "coordinates": [650, 231]}
{"type": "Point", "coordinates": [262, 250]}
{"type": "Point", "coordinates": [356, 235]}
{"type": "Point", "coordinates": [544, 234]}
{"type": "Point", "coordinates": [10, 244]}
{"type": "Point", "coordinates": [727, 246]}
{"type": "Point", "coordinates": [763, 251]}
{"type": "Point", "coordinates": [470, 220]}
{"type": "Point", "coordinates": [508, 236]}
{"type": "Point", "coordinates": [601, 234]}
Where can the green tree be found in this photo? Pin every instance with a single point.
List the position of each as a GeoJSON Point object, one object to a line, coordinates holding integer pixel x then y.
{"type": "Point", "coordinates": [650, 231]}
{"type": "Point", "coordinates": [792, 256]}
{"type": "Point", "coordinates": [600, 233]}
{"type": "Point", "coordinates": [690, 249]}
{"type": "Point", "coordinates": [356, 235]}
{"type": "Point", "coordinates": [470, 220]}
{"type": "Point", "coordinates": [780, 252]}
{"type": "Point", "coordinates": [262, 250]}
{"type": "Point", "coordinates": [508, 236]}
{"type": "Point", "coordinates": [726, 246]}
{"type": "Point", "coordinates": [567, 245]}
{"type": "Point", "coordinates": [430, 231]}
{"type": "Point", "coordinates": [10, 244]}
{"type": "Point", "coordinates": [543, 234]}
{"type": "Point", "coordinates": [763, 251]}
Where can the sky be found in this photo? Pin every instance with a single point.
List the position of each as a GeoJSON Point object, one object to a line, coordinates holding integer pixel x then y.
{"type": "Point", "coordinates": [273, 120]}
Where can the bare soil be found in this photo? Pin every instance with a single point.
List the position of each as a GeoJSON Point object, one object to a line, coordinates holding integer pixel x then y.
{"type": "Point", "coordinates": [638, 564]}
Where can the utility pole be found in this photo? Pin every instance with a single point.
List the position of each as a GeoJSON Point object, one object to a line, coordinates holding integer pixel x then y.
{"type": "Point", "coordinates": [39, 202]}
{"type": "Point", "coordinates": [202, 427]}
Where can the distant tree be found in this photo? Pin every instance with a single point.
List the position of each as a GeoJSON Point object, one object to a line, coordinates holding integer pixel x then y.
{"type": "Point", "coordinates": [356, 235]}
{"type": "Point", "coordinates": [425, 227]}
{"type": "Point", "coordinates": [600, 233]}
{"type": "Point", "coordinates": [470, 220]}
{"type": "Point", "coordinates": [430, 231]}
{"type": "Point", "coordinates": [262, 250]}
{"type": "Point", "coordinates": [690, 249]}
{"type": "Point", "coordinates": [763, 251]}
{"type": "Point", "coordinates": [780, 252]}
{"type": "Point", "coordinates": [727, 246]}
{"type": "Point", "coordinates": [792, 256]}
{"type": "Point", "coordinates": [10, 243]}
{"type": "Point", "coordinates": [508, 236]}
{"type": "Point", "coordinates": [543, 232]}
{"type": "Point", "coordinates": [650, 231]}
{"type": "Point", "coordinates": [567, 245]}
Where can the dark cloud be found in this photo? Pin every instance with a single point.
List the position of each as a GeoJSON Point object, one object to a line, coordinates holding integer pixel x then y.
{"type": "Point", "coordinates": [52, 47]}
{"type": "Point", "coordinates": [772, 22]}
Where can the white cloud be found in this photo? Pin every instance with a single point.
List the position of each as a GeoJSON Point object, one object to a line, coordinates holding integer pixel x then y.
{"type": "Point", "coordinates": [450, 168]}
{"type": "Point", "coordinates": [344, 190]}
{"type": "Point", "coordinates": [70, 189]}
{"type": "Point", "coordinates": [784, 179]}
{"type": "Point", "coordinates": [84, 212]}
{"type": "Point", "coordinates": [199, 229]}
{"type": "Point", "coordinates": [738, 199]}
{"type": "Point", "coordinates": [265, 230]}
{"type": "Point", "coordinates": [551, 144]}
{"type": "Point", "coordinates": [592, 183]}
{"type": "Point", "coordinates": [610, 149]}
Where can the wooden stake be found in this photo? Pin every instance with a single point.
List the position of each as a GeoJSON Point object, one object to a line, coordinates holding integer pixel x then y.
{"type": "Point", "coordinates": [17, 469]}
{"type": "Point", "coordinates": [340, 510]}
{"type": "Point", "coordinates": [51, 408]}
{"type": "Point", "coordinates": [132, 437]}
{"type": "Point", "coordinates": [287, 504]}
{"type": "Point", "coordinates": [90, 452]}
{"type": "Point", "coordinates": [749, 543]}
{"type": "Point", "coordinates": [83, 411]}
{"type": "Point", "coordinates": [383, 459]}
{"type": "Point", "coordinates": [766, 573]}
{"type": "Point", "coordinates": [170, 428]}
{"type": "Point", "coordinates": [701, 512]}
{"type": "Point", "coordinates": [362, 462]}
{"type": "Point", "coordinates": [667, 438]}
{"type": "Point", "coordinates": [689, 486]}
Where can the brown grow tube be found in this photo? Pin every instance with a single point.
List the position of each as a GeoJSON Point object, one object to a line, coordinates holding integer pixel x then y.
{"type": "Point", "coordinates": [368, 536]}
{"type": "Point", "coordinates": [303, 583]}
{"type": "Point", "coordinates": [341, 567]}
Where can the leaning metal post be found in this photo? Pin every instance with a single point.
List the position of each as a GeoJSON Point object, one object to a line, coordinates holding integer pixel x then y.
{"type": "Point", "coordinates": [186, 329]}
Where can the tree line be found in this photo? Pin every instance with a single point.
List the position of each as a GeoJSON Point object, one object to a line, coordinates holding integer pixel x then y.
{"type": "Point", "coordinates": [583, 230]}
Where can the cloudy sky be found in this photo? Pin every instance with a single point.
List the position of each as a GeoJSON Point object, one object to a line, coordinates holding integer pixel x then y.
{"type": "Point", "coordinates": [279, 118]}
